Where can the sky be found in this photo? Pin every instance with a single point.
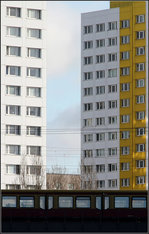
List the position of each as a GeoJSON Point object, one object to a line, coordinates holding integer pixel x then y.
{"type": "Point", "coordinates": [64, 81]}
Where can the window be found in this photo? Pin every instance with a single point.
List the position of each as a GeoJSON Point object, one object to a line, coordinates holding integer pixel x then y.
{"type": "Point", "coordinates": [112, 183]}
{"type": "Point", "coordinates": [125, 135]}
{"type": "Point", "coordinates": [33, 92]}
{"type": "Point", "coordinates": [112, 73]}
{"type": "Point", "coordinates": [121, 202]}
{"type": "Point", "coordinates": [125, 23]}
{"type": "Point", "coordinates": [14, 11]}
{"type": "Point", "coordinates": [33, 52]}
{"type": "Point", "coordinates": [98, 203]}
{"type": "Point", "coordinates": [100, 89]}
{"type": "Point", "coordinates": [125, 71]}
{"type": "Point", "coordinates": [112, 119]}
{"type": "Point", "coordinates": [70, 186]}
{"type": "Point", "coordinates": [88, 137]}
{"type": "Point", "coordinates": [112, 136]}
{"type": "Point", "coordinates": [33, 170]}
{"type": "Point", "coordinates": [125, 166]}
{"type": "Point", "coordinates": [140, 35]}
{"type": "Point", "coordinates": [13, 169]}
{"type": "Point", "coordinates": [88, 153]}
{"type": "Point", "coordinates": [125, 150]}
{"type": "Point", "coordinates": [13, 70]}
{"type": "Point", "coordinates": [100, 105]}
{"type": "Point", "coordinates": [100, 43]}
{"type": "Point", "coordinates": [88, 44]}
{"type": "Point", "coordinates": [112, 167]}
{"type": "Point", "coordinates": [106, 203]}
{"type": "Point", "coordinates": [125, 55]}
{"type": "Point", "coordinates": [140, 115]}
{"type": "Point", "coordinates": [65, 202]}
{"type": "Point", "coordinates": [26, 202]}
{"type": "Point", "coordinates": [88, 91]}
{"type": "Point", "coordinates": [88, 60]}
{"type": "Point", "coordinates": [34, 33]}
{"type": "Point", "coordinates": [140, 179]}
{"type": "Point", "coordinates": [112, 104]}
{"type": "Point", "coordinates": [34, 150]}
{"type": "Point", "coordinates": [88, 169]}
{"type": "Point", "coordinates": [140, 83]}
{"type": "Point", "coordinates": [140, 131]}
{"type": "Point", "coordinates": [88, 122]}
{"type": "Point", "coordinates": [83, 202]}
{"type": "Point", "coordinates": [34, 72]}
{"type": "Point", "coordinates": [33, 111]}
{"type": "Point", "coordinates": [112, 151]}
{"type": "Point", "coordinates": [100, 74]}
{"type": "Point", "coordinates": [50, 202]}
{"type": "Point", "coordinates": [13, 90]}
{"type": "Point", "coordinates": [100, 27]}
{"type": "Point", "coordinates": [125, 102]}
{"type": "Point", "coordinates": [42, 202]}
{"type": "Point", "coordinates": [112, 25]}
{"type": "Point", "coordinates": [140, 163]}
{"type": "Point", "coordinates": [112, 57]}
{"type": "Point", "coordinates": [13, 129]}
{"type": "Point", "coordinates": [112, 88]}
{"type": "Point", "coordinates": [13, 51]}
{"type": "Point", "coordinates": [13, 186]}
{"type": "Point", "coordinates": [140, 18]}
{"type": "Point", "coordinates": [140, 147]}
{"type": "Point", "coordinates": [100, 121]}
{"type": "Point", "coordinates": [88, 75]}
{"type": "Point", "coordinates": [100, 183]}
{"type": "Point", "coordinates": [88, 29]}
{"type": "Point", "coordinates": [9, 201]}
{"type": "Point", "coordinates": [88, 106]}
{"type": "Point", "coordinates": [34, 14]}
{"type": "Point", "coordinates": [100, 58]}
{"type": "Point", "coordinates": [100, 136]}
{"type": "Point", "coordinates": [138, 202]}
{"type": "Point", "coordinates": [140, 99]}
{"type": "Point", "coordinates": [33, 131]}
{"type": "Point", "coordinates": [100, 152]}
{"type": "Point", "coordinates": [14, 31]}
{"type": "Point", "coordinates": [13, 110]}
{"type": "Point", "coordinates": [13, 149]}
{"type": "Point", "coordinates": [125, 40]}
{"type": "Point", "coordinates": [140, 51]}
{"type": "Point", "coordinates": [112, 41]}
{"type": "Point", "coordinates": [140, 67]}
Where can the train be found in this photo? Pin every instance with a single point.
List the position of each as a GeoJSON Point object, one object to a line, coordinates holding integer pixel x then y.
{"type": "Point", "coordinates": [74, 210]}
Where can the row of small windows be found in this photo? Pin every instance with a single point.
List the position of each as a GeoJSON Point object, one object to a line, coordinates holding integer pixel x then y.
{"type": "Point", "coordinates": [30, 71]}
{"type": "Point", "coordinates": [16, 169]}
{"type": "Point", "coordinates": [79, 201]}
{"type": "Point", "coordinates": [140, 99]}
{"type": "Point", "coordinates": [16, 51]}
{"type": "Point", "coordinates": [113, 25]}
{"type": "Point", "coordinates": [113, 151]}
{"type": "Point", "coordinates": [16, 12]}
{"type": "Point", "coordinates": [30, 91]}
{"type": "Point", "coordinates": [30, 130]}
{"type": "Point", "coordinates": [31, 32]}
{"type": "Point", "coordinates": [16, 149]}
{"type": "Point", "coordinates": [30, 110]}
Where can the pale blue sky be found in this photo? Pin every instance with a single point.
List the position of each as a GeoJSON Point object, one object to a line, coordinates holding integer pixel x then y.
{"type": "Point", "coordinates": [63, 79]}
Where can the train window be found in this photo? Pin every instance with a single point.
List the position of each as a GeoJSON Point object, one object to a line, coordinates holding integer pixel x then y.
{"type": "Point", "coordinates": [83, 202]}
{"type": "Point", "coordinates": [121, 202]}
{"type": "Point", "coordinates": [27, 202]}
{"type": "Point", "coordinates": [65, 202]}
{"type": "Point", "coordinates": [98, 203]}
{"type": "Point", "coordinates": [50, 202]}
{"type": "Point", "coordinates": [139, 202]}
{"type": "Point", "coordinates": [42, 202]}
{"type": "Point", "coordinates": [9, 201]}
{"type": "Point", "coordinates": [106, 203]}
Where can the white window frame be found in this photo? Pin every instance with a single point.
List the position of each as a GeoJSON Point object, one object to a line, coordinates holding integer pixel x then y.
{"type": "Point", "coordinates": [17, 13]}
{"type": "Point", "coordinates": [140, 115]}
{"type": "Point", "coordinates": [140, 67]}
{"type": "Point", "coordinates": [112, 119]}
{"type": "Point", "coordinates": [140, 179]}
{"type": "Point", "coordinates": [88, 153]}
{"type": "Point", "coordinates": [100, 105]}
{"type": "Point", "coordinates": [112, 57]}
{"type": "Point", "coordinates": [112, 73]}
{"type": "Point", "coordinates": [112, 167]}
{"type": "Point", "coordinates": [100, 121]}
{"type": "Point", "coordinates": [100, 43]}
{"type": "Point", "coordinates": [100, 90]}
{"type": "Point", "coordinates": [125, 102]}
{"type": "Point", "coordinates": [125, 55]}
{"type": "Point", "coordinates": [112, 183]}
{"type": "Point", "coordinates": [16, 70]}
{"type": "Point", "coordinates": [29, 34]}
{"type": "Point", "coordinates": [13, 51]}
{"type": "Point", "coordinates": [33, 131]}
{"type": "Point", "coordinates": [112, 136]}
{"type": "Point", "coordinates": [37, 72]}
{"type": "Point", "coordinates": [140, 50]}
{"type": "Point", "coordinates": [13, 129]}
{"type": "Point", "coordinates": [112, 41]}
{"type": "Point", "coordinates": [140, 19]}
{"type": "Point", "coordinates": [16, 90]}
{"type": "Point", "coordinates": [125, 182]}
{"type": "Point", "coordinates": [112, 25]}
{"type": "Point", "coordinates": [100, 152]}
{"type": "Point", "coordinates": [88, 122]}
{"type": "Point", "coordinates": [36, 91]}
{"type": "Point", "coordinates": [13, 31]}
{"type": "Point", "coordinates": [100, 58]}
{"type": "Point", "coordinates": [88, 106]}
{"type": "Point", "coordinates": [88, 91]}
{"type": "Point", "coordinates": [36, 149]}
{"type": "Point", "coordinates": [125, 166]}
{"type": "Point", "coordinates": [140, 83]}
{"type": "Point", "coordinates": [125, 23]}
{"type": "Point", "coordinates": [125, 40]}
{"type": "Point", "coordinates": [100, 74]}
{"type": "Point", "coordinates": [88, 60]}
{"type": "Point", "coordinates": [112, 151]}
{"type": "Point", "coordinates": [140, 163]}
{"type": "Point", "coordinates": [140, 35]}
{"type": "Point", "coordinates": [88, 29]}
{"type": "Point", "coordinates": [37, 14]}
{"type": "Point", "coordinates": [88, 138]}
{"type": "Point", "coordinates": [140, 147]}
{"type": "Point", "coordinates": [140, 99]}
{"type": "Point", "coordinates": [112, 104]}
{"type": "Point", "coordinates": [112, 88]}
{"type": "Point", "coordinates": [34, 52]}
{"type": "Point", "coordinates": [125, 135]}
{"type": "Point", "coordinates": [100, 27]}
{"type": "Point", "coordinates": [100, 136]}
{"type": "Point", "coordinates": [17, 149]}
{"type": "Point", "coordinates": [140, 131]}
{"type": "Point", "coordinates": [33, 111]}
{"type": "Point", "coordinates": [88, 75]}
{"type": "Point", "coordinates": [125, 118]}
{"type": "Point", "coordinates": [16, 111]}
{"type": "Point", "coordinates": [125, 150]}
{"type": "Point", "coordinates": [125, 71]}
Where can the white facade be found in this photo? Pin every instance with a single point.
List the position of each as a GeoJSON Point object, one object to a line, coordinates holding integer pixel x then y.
{"type": "Point", "coordinates": [23, 47]}
{"type": "Point", "coordinates": [104, 173]}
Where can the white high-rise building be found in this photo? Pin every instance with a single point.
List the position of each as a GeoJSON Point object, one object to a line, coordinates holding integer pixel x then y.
{"type": "Point", "coordinates": [23, 94]}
